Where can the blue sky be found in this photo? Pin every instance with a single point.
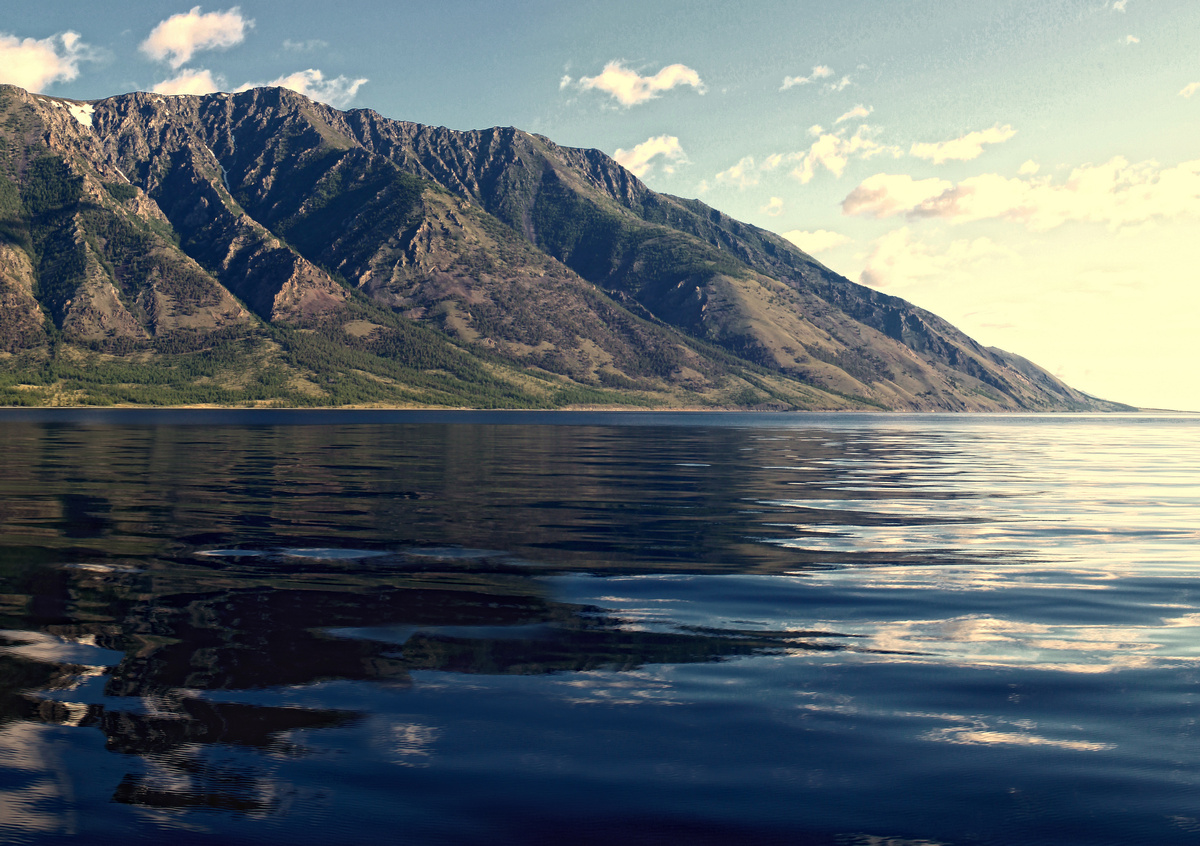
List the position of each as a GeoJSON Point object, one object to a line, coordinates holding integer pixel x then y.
{"type": "Point", "coordinates": [1029, 171]}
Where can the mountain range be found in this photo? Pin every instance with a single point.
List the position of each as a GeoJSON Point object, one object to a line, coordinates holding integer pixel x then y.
{"type": "Point", "coordinates": [262, 248]}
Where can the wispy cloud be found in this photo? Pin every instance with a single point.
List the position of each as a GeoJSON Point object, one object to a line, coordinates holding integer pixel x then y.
{"type": "Point", "coordinates": [36, 64]}
{"type": "Point", "coordinates": [741, 175]}
{"type": "Point", "coordinates": [181, 36]}
{"type": "Point", "coordinates": [818, 241]}
{"type": "Point", "coordinates": [858, 111]}
{"type": "Point", "coordinates": [774, 207]}
{"type": "Point", "coordinates": [1118, 5]}
{"type": "Point", "coordinates": [190, 82]}
{"type": "Point", "coordinates": [338, 91]}
{"type": "Point", "coordinates": [897, 259]}
{"type": "Point", "coordinates": [629, 88]}
{"type": "Point", "coordinates": [1117, 194]}
{"type": "Point", "coordinates": [1189, 89]}
{"type": "Point", "coordinates": [885, 195]}
{"type": "Point", "coordinates": [964, 148]}
{"type": "Point", "coordinates": [1131, 39]}
{"type": "Point", "coordinates": [641, 159]}
{"type": "Point", "coordinates": [302, 46]}
{"type": "Point", "coordinates": [818, 72]}
{"type": "Point", "coordinates": [832, 151]}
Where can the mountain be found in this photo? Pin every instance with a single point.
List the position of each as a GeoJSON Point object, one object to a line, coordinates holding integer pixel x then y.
{"type": "Point", "coordinates": [261, 247]}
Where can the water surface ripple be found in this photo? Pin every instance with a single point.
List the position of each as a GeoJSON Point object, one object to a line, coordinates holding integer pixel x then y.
{"type": "Point", "coordinates": [364, 627]}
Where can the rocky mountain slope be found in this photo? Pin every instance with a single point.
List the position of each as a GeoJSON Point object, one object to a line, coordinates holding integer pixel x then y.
{"type": "Point", "coordinates": [261, 247]}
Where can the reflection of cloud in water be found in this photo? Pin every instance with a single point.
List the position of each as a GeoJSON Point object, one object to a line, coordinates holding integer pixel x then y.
{"type": "Point", "coordinates": [1013, 622]}
{"type": "Point", "coordinates": [951, 539]}
{"type": "Point", "coordinates": [981, 641]}
{"type": "Point", "coordinates": [53, 649]}
{"type": "Point", "coordinates": [412, 743]}
{"type": "Point", "coordinates": [231, 553]}
{"type": "Point", "coordinates": [101, 568]}
{"type": "Point", "coordinates": [975, 736]}
{"type": "Point", "coordinates": [887, 576]}
{"type": "Point", "coordinates": [951, 577]}
{"type": "Point", "coordinates": [608, 687]}
{"type": "Point", "coordinates": [330, 554]}
{"type": "Point", "coordinates": [316, 553]}
{"type": "Point", "coordinates": [946, 507]}
{"type": "Point", "coordinates": [969, 731]}
{"type": "Point", "coordinates": [199, 778]}
{"type": "Point", "coordinates": [1128, 525]}
{"type": "Point", "coordinates": [35, 798]}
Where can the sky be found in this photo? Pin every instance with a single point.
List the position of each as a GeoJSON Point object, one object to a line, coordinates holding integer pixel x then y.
{"type": "Point", "coordinates": [1028, 171]}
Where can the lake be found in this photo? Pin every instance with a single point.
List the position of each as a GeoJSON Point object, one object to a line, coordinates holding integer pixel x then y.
{"type": "Point", "coordinates": [593, 628]}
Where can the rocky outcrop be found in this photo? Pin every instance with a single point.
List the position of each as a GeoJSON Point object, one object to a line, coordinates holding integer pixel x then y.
{"type": "Point", "coordinates": [21, 322]}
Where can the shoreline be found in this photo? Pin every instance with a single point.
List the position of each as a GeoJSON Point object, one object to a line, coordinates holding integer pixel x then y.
{"type": "Point", "coordinates": [368, 414]}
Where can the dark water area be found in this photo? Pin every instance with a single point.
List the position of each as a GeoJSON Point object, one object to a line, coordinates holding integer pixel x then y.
{"type": "Point", "coordinates": [540, 628]}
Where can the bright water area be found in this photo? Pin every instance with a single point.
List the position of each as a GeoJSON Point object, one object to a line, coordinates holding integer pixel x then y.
{"type": "Point", "coordinates": [512, 628]}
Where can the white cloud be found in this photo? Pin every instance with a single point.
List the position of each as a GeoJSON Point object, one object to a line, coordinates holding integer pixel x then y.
{"type": "Point", "coordinates": [858, 111]}
{"type": "Point", "coordinates": [1118, 5]}
{"type": "Point", "coordinates": [965, 148]}
{"type": "Point", "coordinates": [301, 46]}
{"type": "Point", "coordinates": [816, 242]}
{"type": "Point", "coordinates": [179, 37]}
{"type": "Point", "coordinates": [833, 152]}
{"type": "Point", "coordinates": [1132, 39]}
{"type": "Point", "coordinates": [1117, 194]}
{"type": "Point", "coordinates": [885, 195]}
{"type": "Point", "coordinates": [741, 175]}
{"type": "Point", "coordinates": [1189, 89]}
{"type": "Point", "coordinates": [841, 85]}
{"type": "Point", "coordinates": [190, 82]}
{"type": "Point", "coordinates": [774, 207]}
{"type": "Point", "coordinates": [818, 72]}
{"type": "Point", "coordinates": [35, 64]}
{"type": "Point", "coordinates": [896, 259]}
{"type": "Point", "coordinates": [640, 160]}
{"type": "Point", "coordinates": [565, 81]}
{"type": "Point", "coordinates": [829, 151]}
{"type": "Point", "coordinates": [629, 88]}
{"type": "Point", "coordinates": [1029, 168]}
{"type": "Point", "coordinates": [338, 91]}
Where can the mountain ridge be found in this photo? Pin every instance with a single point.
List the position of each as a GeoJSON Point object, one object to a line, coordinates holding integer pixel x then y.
{"type": "Point", "coordinates": [341, 256]}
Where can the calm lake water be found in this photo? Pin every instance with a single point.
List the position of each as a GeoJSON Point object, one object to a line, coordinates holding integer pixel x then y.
{"type": "Point", "coordinates": [599, 628]}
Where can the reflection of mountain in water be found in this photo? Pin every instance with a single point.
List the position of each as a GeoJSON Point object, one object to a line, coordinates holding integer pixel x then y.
{"type": "Point", "coordinates": [584, 498]}
{"type": "Point", "coordinates": [179, 646]}
{"type": "Point", "coordinates": [241, 559]}
{"type": "Point", "coordinates": [386, 628]}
